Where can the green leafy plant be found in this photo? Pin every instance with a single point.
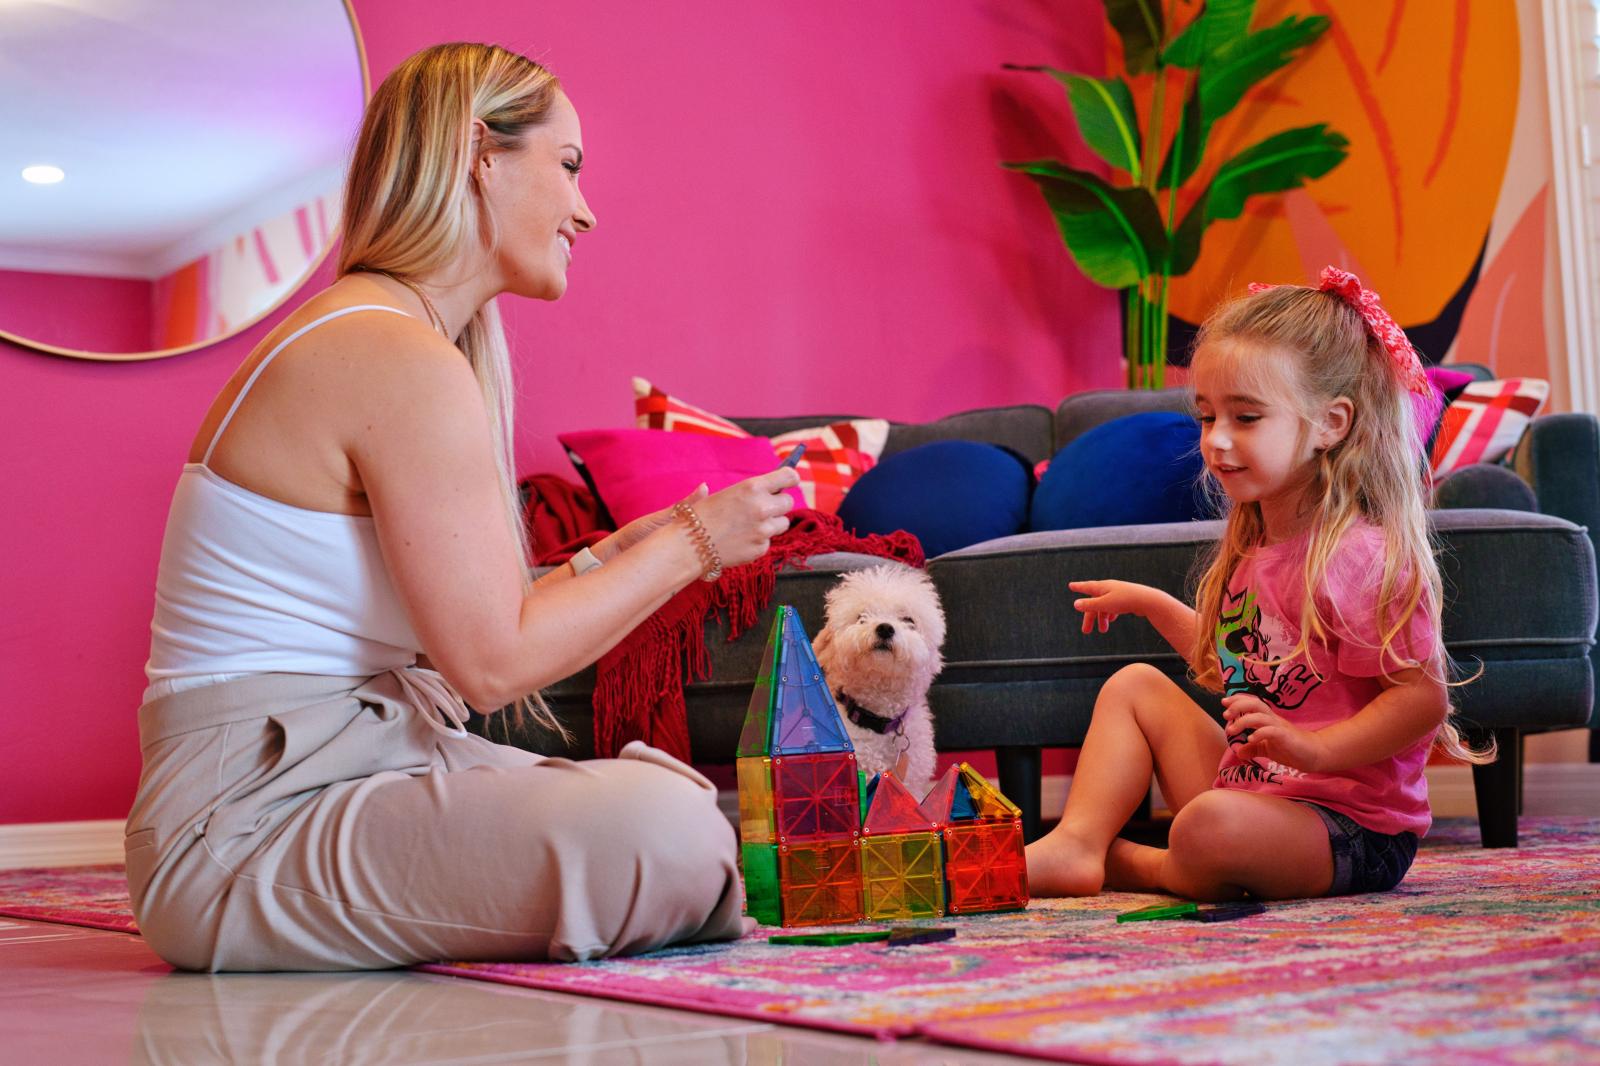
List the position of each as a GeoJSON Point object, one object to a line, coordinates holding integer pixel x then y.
{"type": "Point", "coordinates": [1129, 237]}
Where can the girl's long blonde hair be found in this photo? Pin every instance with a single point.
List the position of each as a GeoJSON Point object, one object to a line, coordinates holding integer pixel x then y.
{"type": "Point", "coordinates": [1321, 347]}
{"type": "Point", "coordinates": [410, 206]}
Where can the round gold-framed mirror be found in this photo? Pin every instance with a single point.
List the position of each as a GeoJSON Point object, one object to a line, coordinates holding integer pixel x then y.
{"type": "Point", "coordinates": [170, 170]}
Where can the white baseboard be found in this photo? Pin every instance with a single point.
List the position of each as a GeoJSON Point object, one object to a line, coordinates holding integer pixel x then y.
{"type": "Point", "coordinates": [60, 844]}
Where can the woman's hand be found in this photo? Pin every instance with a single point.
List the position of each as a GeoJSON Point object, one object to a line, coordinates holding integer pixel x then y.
{"type": "Point", "coordinates": [1105, 601]}
{"type": "Point", "coordinates": [1255, 730]}
{"type": "Point", "coordinates": [743, 518]}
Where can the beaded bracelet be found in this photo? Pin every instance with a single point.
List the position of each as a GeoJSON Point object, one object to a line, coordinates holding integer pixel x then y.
{"type": "Point", "coordinates": [702, 541]}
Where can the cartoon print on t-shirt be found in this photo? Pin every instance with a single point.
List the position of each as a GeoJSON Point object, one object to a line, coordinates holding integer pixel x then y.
{"type": "Point", "coordinates": [1247, 642]}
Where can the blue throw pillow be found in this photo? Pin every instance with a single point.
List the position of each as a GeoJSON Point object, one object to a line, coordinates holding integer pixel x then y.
{"type": "Point", "coordinates": [1130, 471]}
{"type": "Point", "coordinates": [950, 493]}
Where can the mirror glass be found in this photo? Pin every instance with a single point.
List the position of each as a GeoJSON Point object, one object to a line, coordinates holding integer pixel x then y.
{"type": "Point", "coordinates": [170, 170]}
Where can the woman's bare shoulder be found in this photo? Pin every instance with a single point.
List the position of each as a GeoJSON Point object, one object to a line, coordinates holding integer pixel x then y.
{"type": "Point", "coordinates": [370, 350]}
{"type": "Point", "coordinates": [332, 383]}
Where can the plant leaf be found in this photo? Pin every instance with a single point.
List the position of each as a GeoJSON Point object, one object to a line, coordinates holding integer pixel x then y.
{"type": "Point", "coordinates": [1219, 24]}
{"type": "Point", "coordinates": [1114, 234]}
{"type": "Point", "coordinates": [1285, 160]}
{"type": "Point", "coordinates": [1106, 119]}
{"type": "Point", "coordinates": [1188, 143]}
{"type": "Point", "coordinates": [1141, 26]}
{"type": "Point", "coordinates": [1230, 72]}
{"type": "Point", "coordinates": [1185, 246]}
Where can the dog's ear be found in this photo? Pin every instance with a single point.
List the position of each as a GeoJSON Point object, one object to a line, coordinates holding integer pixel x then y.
{"type": "Point", "coordinates": [822, 641]}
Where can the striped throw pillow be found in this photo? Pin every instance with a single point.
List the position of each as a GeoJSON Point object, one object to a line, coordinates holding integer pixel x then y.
{"type": "Point", "coordinates": [835, 458]}
{"type": "Point", "coordinates": [1485, 422]}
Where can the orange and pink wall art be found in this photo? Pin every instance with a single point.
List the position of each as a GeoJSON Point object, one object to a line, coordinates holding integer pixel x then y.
{"type": "Point", "coordinates": [1443, 204]}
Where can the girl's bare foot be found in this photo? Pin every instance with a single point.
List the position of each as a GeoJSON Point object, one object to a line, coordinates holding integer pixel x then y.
{"type": "Point", "coordinates": [1061, 865]}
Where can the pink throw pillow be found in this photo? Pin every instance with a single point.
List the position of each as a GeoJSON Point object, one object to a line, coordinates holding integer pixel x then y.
{"type": "Point", "coordinates": [637, 471]}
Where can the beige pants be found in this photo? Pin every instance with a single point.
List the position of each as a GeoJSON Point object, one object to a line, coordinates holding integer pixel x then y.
{"type": "Point", "coordinates": [298, 822]}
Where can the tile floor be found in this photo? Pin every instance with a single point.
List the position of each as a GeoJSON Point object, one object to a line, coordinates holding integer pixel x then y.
{"type": "Point", "coordinates": [71, 996]}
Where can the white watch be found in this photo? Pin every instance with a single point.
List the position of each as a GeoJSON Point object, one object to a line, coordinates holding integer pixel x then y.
{"type": "Point", "coordinates": [583, 561]}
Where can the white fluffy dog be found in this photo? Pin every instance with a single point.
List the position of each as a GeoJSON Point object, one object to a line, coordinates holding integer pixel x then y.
{"type": "Point", "coordinates": [879, 650]}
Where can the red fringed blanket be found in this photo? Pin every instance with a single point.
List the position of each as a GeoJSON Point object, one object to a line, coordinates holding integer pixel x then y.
{"type": "Point", "coordinates": [561, 517]}
{"type": "Point", "coordinates": [638, 692]}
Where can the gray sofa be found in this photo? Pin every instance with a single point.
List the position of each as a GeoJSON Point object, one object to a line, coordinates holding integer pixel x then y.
{"type": "Point", "coordinates": [1020, 676]}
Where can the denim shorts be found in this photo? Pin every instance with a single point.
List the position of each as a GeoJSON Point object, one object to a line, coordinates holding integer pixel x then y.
{"type": "Point", "coordinates": [1364, 860]}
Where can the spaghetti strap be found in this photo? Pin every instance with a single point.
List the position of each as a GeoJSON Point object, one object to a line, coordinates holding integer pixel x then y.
{"type": "Point", "coordinates": [205, 459]}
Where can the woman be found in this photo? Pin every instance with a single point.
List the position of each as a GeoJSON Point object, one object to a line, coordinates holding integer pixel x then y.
{"type": "Point", "coordinates": [309, 800]}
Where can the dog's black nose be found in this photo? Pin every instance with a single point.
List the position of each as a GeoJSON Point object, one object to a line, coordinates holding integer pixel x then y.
{"type": "Point", "coordinates": [885, 630]}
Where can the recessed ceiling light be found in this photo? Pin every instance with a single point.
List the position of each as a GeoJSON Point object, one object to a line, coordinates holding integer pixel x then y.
{"type": "Point", "coordinates": [43, 174]}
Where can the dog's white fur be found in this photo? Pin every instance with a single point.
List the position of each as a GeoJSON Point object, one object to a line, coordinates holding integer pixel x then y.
{"type": "Point", "coordinates": [886, 670]}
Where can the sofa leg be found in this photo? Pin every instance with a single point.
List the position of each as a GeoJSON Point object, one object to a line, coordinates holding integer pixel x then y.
{"type": "Point", "coordinates": [1496, 789]}
{"type": "Point", "coordinates": [1021, 779]}
{"type": "Point", "coordinates": [1522, 762]}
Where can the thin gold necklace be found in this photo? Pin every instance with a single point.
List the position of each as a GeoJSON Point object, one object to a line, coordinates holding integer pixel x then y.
{"type": "Point", "coordinates": [435, 319]}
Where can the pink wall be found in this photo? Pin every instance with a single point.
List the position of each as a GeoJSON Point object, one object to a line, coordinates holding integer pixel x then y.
{"type": "Point", "coordinates": [76, 311]}
{"type": "Point", "coordinates": [800, 209]}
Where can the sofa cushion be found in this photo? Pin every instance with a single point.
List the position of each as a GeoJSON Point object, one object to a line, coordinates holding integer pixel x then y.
{"type": "Point", "coordinates": [949, 493]}
{"type": "Point", "coordinates": [837, 451]}
{"type": "Point", "coordinates": [1024, 428]}
{"type": "Point", "coordinates": [1083, 411]}
{"type": "Point", "coordinates": [636, 471]}
{"type": "Point", "coordinates": [1133, 470]}
{"type": "Point", "coordinates": [1484, 485]}
{"type": "Point", "coordinates": [1485, 422]}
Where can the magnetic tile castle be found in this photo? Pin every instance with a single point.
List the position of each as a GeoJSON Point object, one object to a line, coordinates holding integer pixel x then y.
{"type": "Point", "coordinates": [820, 845]}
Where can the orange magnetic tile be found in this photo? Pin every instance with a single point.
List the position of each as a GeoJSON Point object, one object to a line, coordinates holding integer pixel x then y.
{"type": "Point", "coordinates": [820, 882]}
{"type": "Point", "coordinates": [985, 868]}
{"type": "Point", "coordinates": [894, 810]}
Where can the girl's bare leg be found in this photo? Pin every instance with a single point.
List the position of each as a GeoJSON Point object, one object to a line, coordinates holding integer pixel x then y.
{"type": "Point", "coordinates": [1142, 722]}
{"type": "Point", "coordinates": [1226, 843]}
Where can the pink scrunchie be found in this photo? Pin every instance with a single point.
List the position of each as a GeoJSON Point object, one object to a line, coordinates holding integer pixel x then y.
{"type": "Point", "coordinates": [1407, 363]}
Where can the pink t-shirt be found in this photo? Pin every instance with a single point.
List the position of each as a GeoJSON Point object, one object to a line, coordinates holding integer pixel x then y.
{"type": "Point", "coordinates": [1261, 621]}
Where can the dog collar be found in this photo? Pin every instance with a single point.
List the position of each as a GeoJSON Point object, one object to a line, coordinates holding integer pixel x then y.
{"type": "Point", "coordinates": [867, 720]}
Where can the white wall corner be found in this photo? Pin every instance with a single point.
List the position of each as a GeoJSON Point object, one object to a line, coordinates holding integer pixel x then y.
{"type": "Point", "coordinates": [1575, 234]}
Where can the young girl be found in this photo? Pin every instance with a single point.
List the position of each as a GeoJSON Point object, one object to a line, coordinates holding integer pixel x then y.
{"type": "Point", "coordinates": [1318, 620]}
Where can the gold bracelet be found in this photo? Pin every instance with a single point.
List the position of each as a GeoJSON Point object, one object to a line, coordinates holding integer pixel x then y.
{"type": "Point", "coordinates": [702, 541]}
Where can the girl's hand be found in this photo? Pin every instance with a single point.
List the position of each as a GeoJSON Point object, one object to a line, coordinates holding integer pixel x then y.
{"type": "Point", "coordinates": [1104, 601]}
{"type": "Point", "coordinates": [1255, 730]}
{"type": "Point", "coordinates": [743, 518]}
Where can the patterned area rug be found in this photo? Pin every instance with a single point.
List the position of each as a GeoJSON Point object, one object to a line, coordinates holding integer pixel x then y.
{"type": "Point", "coordinates": [1480, 956]}
{"type": "Point", "coordinates": [96, 896]}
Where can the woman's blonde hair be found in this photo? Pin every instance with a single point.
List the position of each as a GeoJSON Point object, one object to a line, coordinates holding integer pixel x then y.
{"type": "Point", "coordinates": [410, 206]}
{"type": "Point", "coordinates": [1318, 346]}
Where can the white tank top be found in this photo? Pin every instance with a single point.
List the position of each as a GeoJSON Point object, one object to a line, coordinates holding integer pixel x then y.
{"type": "Point", "coordinates": [251, 585]}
